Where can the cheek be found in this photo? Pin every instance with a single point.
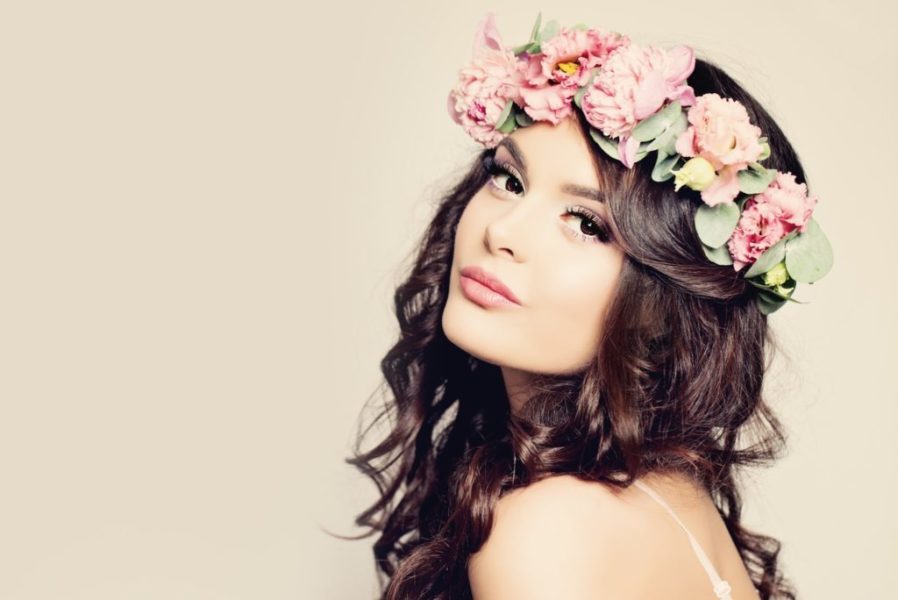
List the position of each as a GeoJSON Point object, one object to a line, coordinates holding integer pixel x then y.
{"type": "Point", "coordinates": [575, 298]}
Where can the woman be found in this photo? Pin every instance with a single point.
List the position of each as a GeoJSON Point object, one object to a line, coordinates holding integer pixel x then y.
{"type": "Point", "coordinates": [579, 370]}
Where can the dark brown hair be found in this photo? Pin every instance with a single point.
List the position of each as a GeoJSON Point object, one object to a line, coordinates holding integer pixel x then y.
{"type": "Point", "coordinates": [675, 386]}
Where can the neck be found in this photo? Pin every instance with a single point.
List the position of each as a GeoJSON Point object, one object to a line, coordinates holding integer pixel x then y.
{"type": "Point", "coordinates": [517, 388]}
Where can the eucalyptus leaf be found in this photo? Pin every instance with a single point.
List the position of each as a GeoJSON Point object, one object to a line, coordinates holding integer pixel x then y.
{"type": "Point", "coordinates": [578, 97]}
{"type": "Point", "coordinates": [548, 31]}
{"type": "Point", "coordinates": [768, 306]}
{"type": "Point", "coordinates": [523, 119]}
{"type": "Point", "coordinates": [663, 166]}
{"type": "Point", "coordinates": [640, 154]}
{"type": "Point", "coordinates": [609, 147]}
{"type": "Point", "coordinates": [535, 31]}
{"type": "Point", "coordinates": [715, 224]}
{"type": "Point", "coordinates": [809, 255]}
{"type": "Point", "coordinates": [517, 50]}
{"type": "Point", "coordinates": [718, 256]}
{"type": "Point", "coordinates": [752, 181]}
{"type": "Point", "coordinates": [667, 141]}
{"type": "Point", "coordinates": [508, 126]}
{"type": "Point", "coordinates": [505, 114]}
{"type": "Point", "coordinates": [680, 125]}
{"type": "Point", "coordinates": [771, 293]}
{"type": "Point", "coordinates": [650, 128]}
{"type": "Point", "coordinates": [769, 259]}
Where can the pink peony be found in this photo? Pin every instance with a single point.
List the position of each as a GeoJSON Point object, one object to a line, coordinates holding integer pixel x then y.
{"type": "Point", "coordinates": [720, 132]}
{"type": "Point", "coordinates": [769, 216]}
{"type": "Point", "coordinates": [634, 84]}
{"type": "Point", "coordinates": [485, 86]}
{"type": "Point", "coordinates": [563, 65]}
{"type": "Point", "coordinates": [550, 103]}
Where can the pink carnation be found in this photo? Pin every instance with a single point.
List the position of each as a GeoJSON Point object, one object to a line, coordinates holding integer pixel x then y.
{"type": "Point", "coordinates": [634, 84]}
{"type": "Point", "coordinates": [768, 217]}
{"type": "Point", "coordinates": [568, 56]}
{"type": "Point", "coordinates": [485, 86]}
{"type": "Point", "coordinates": [721, 133]}
{"type": "Point", "coordinates": [563, 65]}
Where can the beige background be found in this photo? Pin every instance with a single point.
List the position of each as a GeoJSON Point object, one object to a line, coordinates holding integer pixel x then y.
{"type": "Point", "coordinates": [205, 208]}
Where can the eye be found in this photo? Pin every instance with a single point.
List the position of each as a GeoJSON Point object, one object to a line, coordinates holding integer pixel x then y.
{"type": "Point", "coordinates": [592, 228]}
{"type": "Point", "coordinates": [503, 176]}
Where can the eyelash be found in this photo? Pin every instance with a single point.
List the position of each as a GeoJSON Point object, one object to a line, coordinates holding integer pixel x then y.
{"type": "Point", "coordinates": [495, 168]}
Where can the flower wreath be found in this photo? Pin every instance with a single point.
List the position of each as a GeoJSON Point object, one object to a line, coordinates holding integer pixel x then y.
{"type": "Point", "coordinates": [637, 101]}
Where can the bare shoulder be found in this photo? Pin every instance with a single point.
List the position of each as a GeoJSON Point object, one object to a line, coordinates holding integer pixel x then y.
{"type": "Point", "coordinates": [555, 538]}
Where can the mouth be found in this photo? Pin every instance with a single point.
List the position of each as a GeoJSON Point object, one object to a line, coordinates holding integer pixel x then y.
{"type": "Point", "coordinates": [486, 289]}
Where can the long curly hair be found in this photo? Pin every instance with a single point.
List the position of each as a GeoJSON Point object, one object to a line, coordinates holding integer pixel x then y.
{"type": "Point", "coordinates": [675, 387]}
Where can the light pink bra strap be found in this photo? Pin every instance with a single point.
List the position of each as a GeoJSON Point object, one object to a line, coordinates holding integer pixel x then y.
{"type": "Point", "coordinates": [721, 587]}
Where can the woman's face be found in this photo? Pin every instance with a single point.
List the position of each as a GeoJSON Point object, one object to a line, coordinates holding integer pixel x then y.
{"type": "Point", "coordinates": [529, 226]}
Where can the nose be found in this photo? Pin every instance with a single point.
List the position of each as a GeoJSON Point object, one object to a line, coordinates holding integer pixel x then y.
{"type": "Point", "coordinates": [515, 230]}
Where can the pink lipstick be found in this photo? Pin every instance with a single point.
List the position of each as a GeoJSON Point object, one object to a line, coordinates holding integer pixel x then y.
{"type": "Point", "coordinates": [485, 289]}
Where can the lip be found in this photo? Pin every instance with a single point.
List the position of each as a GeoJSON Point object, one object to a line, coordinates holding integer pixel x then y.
{"type": "Point", "coordinates": [484, 288]}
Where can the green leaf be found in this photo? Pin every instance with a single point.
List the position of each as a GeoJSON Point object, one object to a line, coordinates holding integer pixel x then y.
{"type": "Point", "coordinates": [609, 147]}
{"type": "Point", "coordinates": [809, 255]}
{"type": "Point", "coordinates": [667, 141]}
{"type": "Point", "coordinates": [769, 259]}
{"type": "Point", "coordinates": [508, 126]}
{"type": "Point", "coordinates": [504, 115]}
{"type": "Point", "coordinates": [715, 224]}
{"type": "Point", "coordinates": [663, 166]}
{"type": "Point", "coordinates": [678, 127]}
{"type": "Point", "coordinates": [767, 306]}
{"type": "Point", "coordinates": [535, 31]}
{"type": "Point", "coordinates": [718, 256]}
{"type": "Point", "coordinates": [548, 31]}
{"type": "Point", "coordinates": [531, 47]}
{"type": "Point", "coordinates": [523, 119]}
{"type": "Point", "coordinates": [772, 295]}
{"type": "Point", "coordinates": [650, 128]}
{"type": "Point", "coordinates": [641, 152]}
{"type": "Point", "coordinates": [769, 292]}
{"type": "Point", "coordinates": [578, 97]}
{"type": "Point", "coordinates": [755, 181]}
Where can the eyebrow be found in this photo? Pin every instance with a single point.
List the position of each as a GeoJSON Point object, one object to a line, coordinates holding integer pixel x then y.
{"type": "Point", "coordinates": [568, 188]}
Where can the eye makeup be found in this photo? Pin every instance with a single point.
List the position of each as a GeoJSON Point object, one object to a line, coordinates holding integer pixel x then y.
{"type": "Point", "coordinates": [506, 181]}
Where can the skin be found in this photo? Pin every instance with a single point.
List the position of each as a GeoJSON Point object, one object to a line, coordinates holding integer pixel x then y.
{"type": "Point", "coordinates": [563, 537]}
{"type": "Point", "coordinates": [518, 228]}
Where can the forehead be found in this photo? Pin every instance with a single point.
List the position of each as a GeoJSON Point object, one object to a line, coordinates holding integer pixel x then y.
{"type": "Point", "coordinates": [558, 152]}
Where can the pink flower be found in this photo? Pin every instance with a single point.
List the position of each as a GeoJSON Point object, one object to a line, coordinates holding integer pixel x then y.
{"type": "Point", "coordinates": [634, 84]}
{"type": "Point", "coordinates": [791, 199]}
{"type": "Point", "coordinates": [769, 216]}
{"type": "Point", "coordinates": [485, 86]}
{"type": "Point", "coordinates": [568, 56]}
{"type": "Point", "coordinates": [724, 188]}
{"type": "Point", "coordinates": [720, 132]}
{"type": "Point", "coordinates": [550, 103]}
{"type": "Point", "coordinates": [563, 65]}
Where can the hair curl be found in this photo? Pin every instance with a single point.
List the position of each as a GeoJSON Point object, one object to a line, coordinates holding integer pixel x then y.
{"type": "Point", "coordinates": [675, 387]}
